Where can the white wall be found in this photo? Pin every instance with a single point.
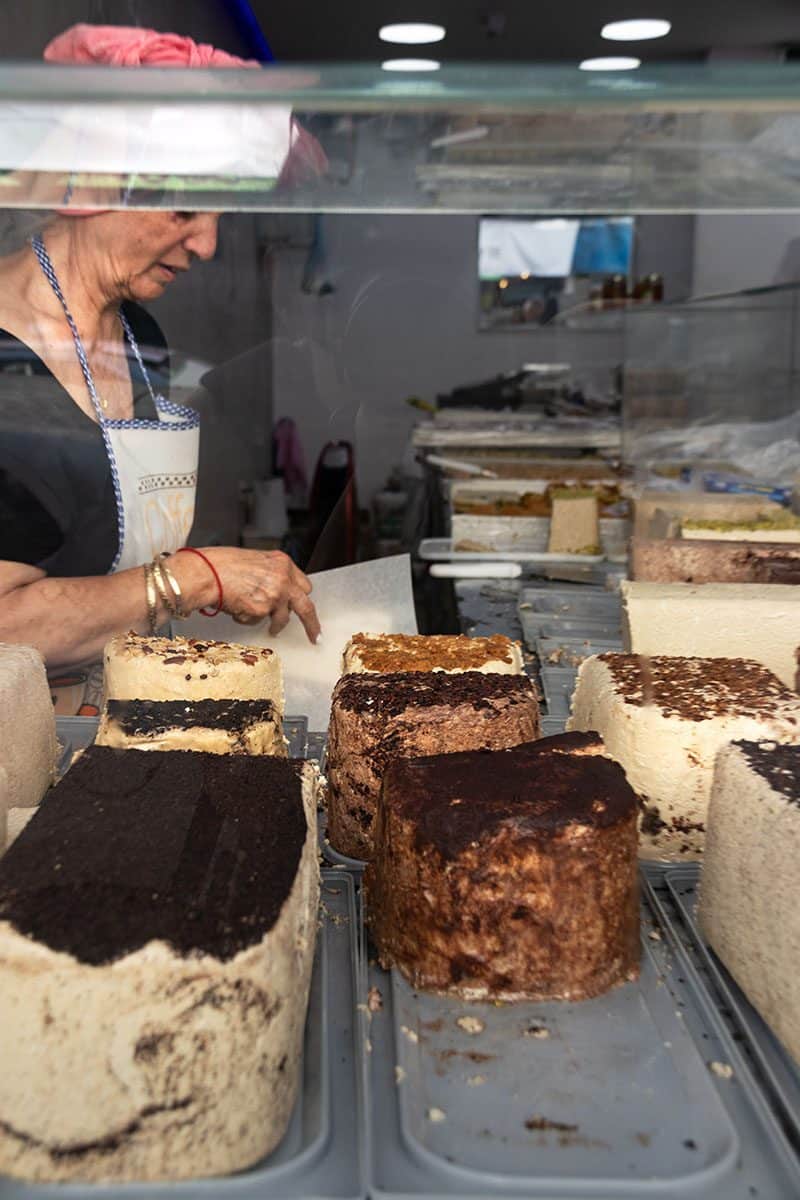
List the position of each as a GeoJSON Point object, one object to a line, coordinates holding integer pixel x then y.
{"type": "Point", "coordinates": [735, 251]}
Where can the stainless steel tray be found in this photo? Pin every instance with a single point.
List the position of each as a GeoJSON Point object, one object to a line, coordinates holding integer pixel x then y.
{"type": "Point", "coordinates": [545, 625]}
{"type": "Point", "coordinates": [611, 1098]}
{"type": "Point", "coordinates": [567, 653]}
{"type": "Point", "coordinates": [780, 1073]}
{"type": "Point", "coordinates": [76, 733]}
{"type": "Point", "coordinates": [552, 725]}
{"type": "Point", "coordinates": [558, 686]}
{"type": "Point", "coordinates": [562, 612]}
{"type": "Point", "coordinates": [572, 601]}
{"type": "Point", "coordinates": [322, 1154]}
{"type": "Point", "coordinates": [331, 855]}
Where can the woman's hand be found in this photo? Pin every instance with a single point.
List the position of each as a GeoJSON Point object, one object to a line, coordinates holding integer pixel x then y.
{"type": "Point", "coordinates": [255, 584]}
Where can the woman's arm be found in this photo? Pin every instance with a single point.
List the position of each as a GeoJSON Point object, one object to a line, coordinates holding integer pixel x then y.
{"type": "Point", "coordinates": [70, 620]}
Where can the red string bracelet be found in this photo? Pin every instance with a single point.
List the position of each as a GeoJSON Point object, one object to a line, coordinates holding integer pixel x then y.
{"type": "Point", "coordinates": [213, 612]}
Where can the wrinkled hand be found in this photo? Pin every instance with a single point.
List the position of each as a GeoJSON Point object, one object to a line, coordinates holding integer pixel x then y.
{"type": "Point", "coordinates": [264, 583]}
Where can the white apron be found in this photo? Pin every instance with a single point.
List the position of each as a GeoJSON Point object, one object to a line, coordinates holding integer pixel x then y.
{"type": "Point", "coordinates": [153, 463]}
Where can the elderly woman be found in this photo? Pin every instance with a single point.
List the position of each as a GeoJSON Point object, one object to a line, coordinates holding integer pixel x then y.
{"type": "Point", "coordinates": [97, 471]}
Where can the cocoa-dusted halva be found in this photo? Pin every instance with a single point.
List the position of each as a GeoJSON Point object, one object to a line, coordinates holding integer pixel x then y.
{"type": "Point", "coordinates": [665, 718]}
{"type": "Point", "coordinates": [377, 718]}
{"type": "Point", "coordinates": [157, 926]}
{"type": "Point", "coordinates": [508, 874]}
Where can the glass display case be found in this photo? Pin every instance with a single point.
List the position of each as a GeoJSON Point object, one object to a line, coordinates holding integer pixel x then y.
{"type": "Point", "coordinates": [294, 256]}
{"type": "Point", "coordinates": [724, 361]}
{"type": "Point", "coordinates": [538, 139]}
{"type": "Point", "coordinates": [344, 282]}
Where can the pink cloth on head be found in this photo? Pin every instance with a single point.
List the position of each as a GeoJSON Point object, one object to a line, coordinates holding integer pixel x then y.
{"type": "Point", "coordinates": [129, 46]}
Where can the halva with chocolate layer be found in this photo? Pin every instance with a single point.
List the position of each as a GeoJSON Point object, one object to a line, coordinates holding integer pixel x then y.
{"type": "Point", "coordinates": [214, 726]}
{"type": "Point", "coordinates": [714, 620]}
{"type": "Point", "coordinates": [377, 718]}
{"type": "Point", "coordinates": [157, 928]}
{"type": "Point", "coordinates": [508, 874]}
{"type": "Point", "coordinates": [186, 694]}
{"type": "Point", "coordinates": [27, 731]}
{"type": "Point", "coordinates": [665, 718]}
{"type": "Point", "coordinates": [748, 906]}
{"type": "Point", "coordinates": [394, 652]}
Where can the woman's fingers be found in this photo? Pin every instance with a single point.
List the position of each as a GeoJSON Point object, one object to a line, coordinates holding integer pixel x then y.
{"type": "Point", "coordinates": [279, 618]}
{"type": "Point", "coordinates": [302, 581]}
{"type": "Point", "coordinates": [305, 610]}
{"type": "Point", "coordinates": [259, 585]}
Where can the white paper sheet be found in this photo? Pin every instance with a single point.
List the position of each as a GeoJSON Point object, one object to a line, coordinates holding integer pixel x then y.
{"type": "Point", "coordinates": [369, 597]}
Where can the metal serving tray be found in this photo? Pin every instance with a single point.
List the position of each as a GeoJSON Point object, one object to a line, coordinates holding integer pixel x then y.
{"type": "Point", "coordinates": [552, 725]}
{"type": "Point", "coordinates": [331, 855]}
{"type": "Point", "coordinates": [322, 1153]}
{"type": "Point", "coordinates": [76, 733]}
{"type": "Point", "coordinates": [593, 604]}
{"type": "Point", "coordinates": [568, 653]}
{"type": "Point", "coordinates": [545, 625]}
{"type": "Point", "coordinates": [781, 1074]}
{"type": "Point", "coordinates": [558, 686]}
{"type": "Point", "coordinates": [613, 1097]}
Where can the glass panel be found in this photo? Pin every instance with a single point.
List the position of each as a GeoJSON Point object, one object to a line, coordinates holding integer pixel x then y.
{"type": "Point", "coordinates": [720, 362]}
{"type": "Point", "coordinates": [494, 139]}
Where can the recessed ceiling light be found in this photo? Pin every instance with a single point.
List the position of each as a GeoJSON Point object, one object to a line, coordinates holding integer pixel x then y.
{"type": "Point", "coordinates": [610, 64]}
{"type": "Point", "coordinates": [635, 31]}
{"type": "Point", "coordinates": [412, 33]}
{"type": "Point", "coordinates": [411, 64]}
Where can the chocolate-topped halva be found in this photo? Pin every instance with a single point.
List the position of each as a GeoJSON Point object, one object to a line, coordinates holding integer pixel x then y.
{"type": "Point", "coordinates": [665, 718]}
{"type": "Point", "coordinates": [158, 916]}
{"type": "Point", "coordinates": [376, 718]}
{"type": "Point", "coordinates": [508, 874]}
{"type": "Point", "coordinates": [165, 846]}
{"type": "Point", "coordinates": [778, 765]}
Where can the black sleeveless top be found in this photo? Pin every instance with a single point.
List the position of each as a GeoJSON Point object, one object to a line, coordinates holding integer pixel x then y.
{"type": "Point", "coordinates": [57, 505]}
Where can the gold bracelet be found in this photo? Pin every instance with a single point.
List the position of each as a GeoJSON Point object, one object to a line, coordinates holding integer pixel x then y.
{"type": "Point", "coordinates": [152, 598]}
{"type": "Point", "coordinates": [167, 599]}
{"type": "Point", "coordinates": [178, 611]}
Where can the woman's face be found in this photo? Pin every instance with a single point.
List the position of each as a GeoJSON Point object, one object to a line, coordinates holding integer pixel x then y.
{"type": "Point", "coordinates": [145, 251]}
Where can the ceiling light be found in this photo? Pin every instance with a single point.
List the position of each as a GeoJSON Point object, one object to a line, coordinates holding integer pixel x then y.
{"type": "Point", "coordinates": [412, 33]}
{"type": "Point", "coordinates": [411, 64]}
{"type": "Point", "coordinates": [635, 31]}
{"type": "Point", "coordinates": [610, 64]}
